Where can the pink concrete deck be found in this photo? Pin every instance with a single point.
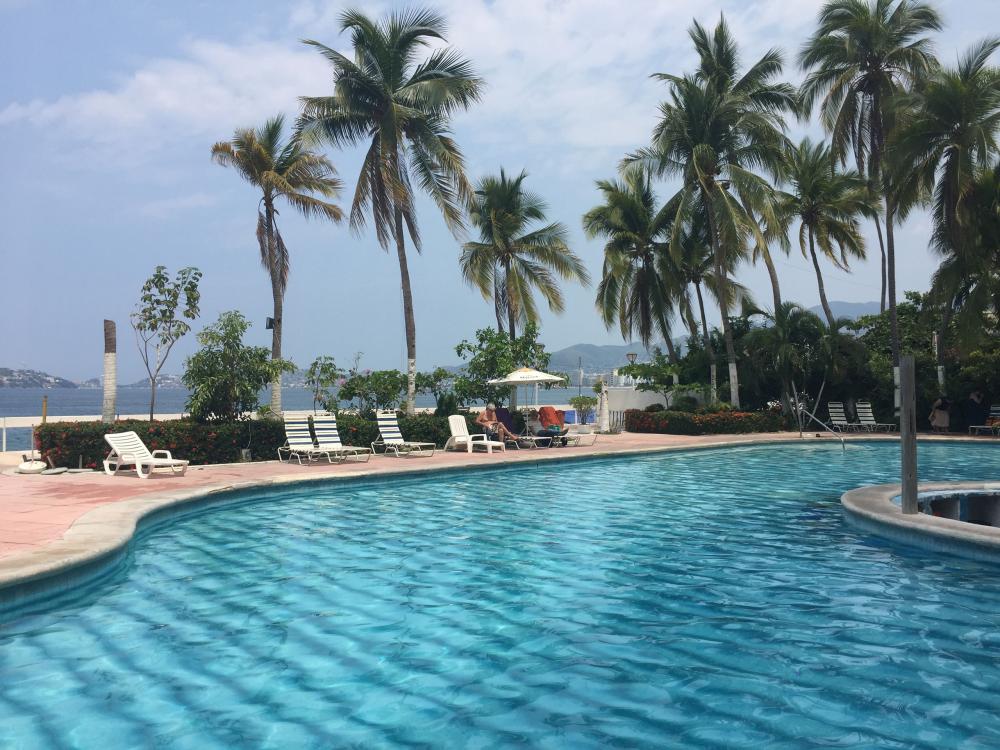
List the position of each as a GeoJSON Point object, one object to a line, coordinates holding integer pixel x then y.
{"type": "Point", "coordinates": [49, 523]}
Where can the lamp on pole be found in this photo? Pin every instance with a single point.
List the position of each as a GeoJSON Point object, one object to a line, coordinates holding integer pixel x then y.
{"type": "Point", "coordinates": [631, 357]}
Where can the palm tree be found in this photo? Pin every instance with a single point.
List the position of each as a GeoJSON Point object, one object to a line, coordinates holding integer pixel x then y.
{"type": "Point", "coordinates": [967, 283]}
{"type": "Point", "coordinates": [288, 171]}
{"type": "Point", "coordinates": [782, 346]}
{"type": "Point", "coordinates": [827, 203]}
{"type": "Point", "coordinates": [863, 54]}
{"type": "Point", "coordinates": [714, 130]}
{"type": "Point", "coordinates": [634, 290]}
{"type": "Point", "coordinates": [400, 107]}
{"type": "Point", "coordinates": [512, 259]}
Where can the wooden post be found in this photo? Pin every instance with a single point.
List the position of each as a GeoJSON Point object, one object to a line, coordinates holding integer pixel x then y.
{"type": "Point", "coordinates": [908, 433]}
{"type": "Point", "coordinates": [110, 372]}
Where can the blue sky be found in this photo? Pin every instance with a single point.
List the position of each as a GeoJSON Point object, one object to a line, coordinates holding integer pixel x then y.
{"type": "Point", "coordinates": [109, 109]}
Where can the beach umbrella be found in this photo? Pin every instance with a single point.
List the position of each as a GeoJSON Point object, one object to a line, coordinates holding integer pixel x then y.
{"type": "Point", "coordinates": [527, 376]}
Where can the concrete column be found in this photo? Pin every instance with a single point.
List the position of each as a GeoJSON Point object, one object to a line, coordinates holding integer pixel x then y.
{"type": "Point", "coordinates": [908, 432]}
{"type": "Point", "coordinates": [110, 372]}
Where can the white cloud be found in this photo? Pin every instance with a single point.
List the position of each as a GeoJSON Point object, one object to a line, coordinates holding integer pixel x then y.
{"type": "Point", "coordinates": [212, 89]}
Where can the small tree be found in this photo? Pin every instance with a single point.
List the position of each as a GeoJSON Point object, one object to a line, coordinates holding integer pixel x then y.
{"type": "Point", "coordinates": [159, 320]}
{"type": "Point", "coordinates": [584, 406]}
{"type": "Point", "coordinates": [657, 375]}
{"type": "Point", "coordinates": [374, 390]}
{"type": "Point", "coordinates": [225, 376]}
{"type": "Point", "coordinates": [322, 375]}
{"type": "Point", "coordinates": [493, 355]}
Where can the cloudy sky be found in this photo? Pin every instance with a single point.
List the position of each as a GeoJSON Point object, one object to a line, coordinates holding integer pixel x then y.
{"type": "Point", "coordinates": [108, 111]}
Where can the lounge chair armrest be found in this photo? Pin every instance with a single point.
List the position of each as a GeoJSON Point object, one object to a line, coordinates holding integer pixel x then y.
{"type": "Point", "coordinates": [162, 454]}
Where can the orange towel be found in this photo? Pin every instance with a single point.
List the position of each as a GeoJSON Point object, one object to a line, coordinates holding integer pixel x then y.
{"type": "Point", "coordinates": [550, 416]}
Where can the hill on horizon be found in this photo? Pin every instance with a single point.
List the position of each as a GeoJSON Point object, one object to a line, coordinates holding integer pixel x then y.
{"type": "Point", "coordinates": [852, 310]}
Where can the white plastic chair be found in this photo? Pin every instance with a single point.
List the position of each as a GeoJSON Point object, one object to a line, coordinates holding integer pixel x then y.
{"type": "Point", "coordinates": [460, 437]}
{"type": "Point", "coordinates": [127, 449]}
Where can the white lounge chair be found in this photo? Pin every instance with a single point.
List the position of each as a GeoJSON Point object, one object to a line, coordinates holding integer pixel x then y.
{"type": "Point", "coordinates": [582, 432]}
{"type": "Point", "coordinates": [838, 417]}
{"type": "Point", "coordinates": [300, 442]}
{"type": "Point", "coordinates": [460, 437]}
{"type": "Point", "coordinates": [866, 418]}
{"type": "Point", "coordinates": [328, 440]}
{"type": "Point", "coordinates": [992, 425]}
{"type": "Point", "coordinates": [127, 449]}
{"type": "Point", "coordinates": [391, 438]}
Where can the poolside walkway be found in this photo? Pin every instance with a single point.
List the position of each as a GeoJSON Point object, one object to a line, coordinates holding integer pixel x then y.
{"type": "Point", "coordinates": [50, 522]}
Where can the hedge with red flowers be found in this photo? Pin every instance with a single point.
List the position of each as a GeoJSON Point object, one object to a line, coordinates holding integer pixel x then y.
{"type": "Point", "coordinates": [66, 443]}
{"type": "Point", "coordinates": [688, 423]}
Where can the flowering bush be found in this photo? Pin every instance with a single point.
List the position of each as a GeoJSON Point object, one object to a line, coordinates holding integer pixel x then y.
{"type": "Point", "coordinates": [687, 423]}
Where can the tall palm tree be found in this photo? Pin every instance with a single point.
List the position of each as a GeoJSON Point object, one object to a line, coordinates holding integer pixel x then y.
{"type": "Point", "coordinates": [400, 107]}
{"type": "Point", "coordinates": [512, 259]}
{"type": "Point", "coordinates": [285, 170]}
{"type": "Point", "coordinates": [634, 291]}
{"type": "Point", "coordinates": [863, 54]}
{"type": "Point", "coordinates": [967, 283]}
{"type": "Point", "coordinates": [714, 130]}
{"type": "Point", "coordinates": [782, 345]}
{"type": "Point", "coordinates": [827, 203]}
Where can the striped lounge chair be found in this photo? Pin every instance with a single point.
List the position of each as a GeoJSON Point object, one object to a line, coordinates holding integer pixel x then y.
{"type": "Point", "coordinates": [391, 439]}
{"type": "Point", "coordinates": [866, 418]}
{"type": "Point", "coordinates": [838, 417]}
{"type": "Point", "coordinates": [328, 439]}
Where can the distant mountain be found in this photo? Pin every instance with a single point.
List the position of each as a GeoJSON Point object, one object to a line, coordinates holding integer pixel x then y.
{"type": "Point", "coordinates": [852, 310]}
{"type": "Point", "coordinates": [31, 379]}
{"type": "Point", "coordinates": [595, 358]}
{"type": "Point", "coordinates": [162, 381]}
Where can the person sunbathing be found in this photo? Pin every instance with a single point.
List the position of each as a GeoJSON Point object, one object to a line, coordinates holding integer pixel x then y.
{"type": "Point", "coordinates": [494, 428]}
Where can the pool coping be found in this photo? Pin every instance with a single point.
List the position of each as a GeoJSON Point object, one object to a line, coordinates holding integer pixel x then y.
{"type": "Point", "coordinates": [99, 537]}
{"type": "Point", "coordinates": [872, 509]}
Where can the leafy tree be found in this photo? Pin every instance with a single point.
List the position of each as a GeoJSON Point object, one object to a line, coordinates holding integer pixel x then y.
{"type": "Point", "coordinates": [512, 257]}
{"type": "Point", "coordinates": [657, 375]}
{"type": "Point", "coordinates": [436, 382]}
{"type": "Point", "coordinates": [493, 355]}
{"type": "Point", "coordinates": [321, 377]}
{"type": "Point", "coordinates": [160, 319]}
{"type": "Point", "coordinates": [584, 406]}
{"type": "Point", "coordinates": [373, 390]}
{"type": "Point", "coordinates": [826, 203]}
{"type": "Point", "coordinates": [400, 107]}
{"type": "Point", "coordinates": [862, 56]}
{"type": "Point", "coordinates": [716, 127]}
{"type": "Point", "coordinates": [225, 376]}
{"type": "Point", "coordinates": [290, 172]}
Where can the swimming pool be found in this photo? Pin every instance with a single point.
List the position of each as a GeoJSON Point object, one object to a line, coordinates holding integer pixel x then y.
{"type": "Point", "coordinates": [699, 599]}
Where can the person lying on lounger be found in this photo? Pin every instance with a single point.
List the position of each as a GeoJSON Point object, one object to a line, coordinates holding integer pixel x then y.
{"type": "Point", "coordinates": [493, 427]}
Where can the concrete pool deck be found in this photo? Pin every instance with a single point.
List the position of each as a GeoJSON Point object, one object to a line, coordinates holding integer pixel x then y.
{"type": "Point", "coordinates": [49, 524]}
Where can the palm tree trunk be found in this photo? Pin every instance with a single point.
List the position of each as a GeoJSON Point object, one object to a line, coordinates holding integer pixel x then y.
{"type": "Point", "coordinates": [408, 321]}
{"type": "Point", "coordinates": [708, 342]}
{"type": "Point", "coordinates": [671, 349]}
{"type": "Point", "coordinates": [890, 246]}
{"type": "Point", "coordinates": [110, 372]}
{"type": "Point", "coordinates": [881, 247]}
{"type": "Point", "coordinates": [819, 281]}
{"type": "Point", "coordinates": [497, 308]}
{"type": "Point", "coordinates": [278, 305]}
{"type": "Point", "coordinates": [773, 273]}
{"type": "Point", "coordinates": [727, 332]}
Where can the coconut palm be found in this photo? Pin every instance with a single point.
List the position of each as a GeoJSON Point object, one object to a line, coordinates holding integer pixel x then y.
{"type": "Point", "coordinates": [283, 170]}
{"type": "Point", "coordinates": [513, 258]}
{"type": "Point", "coordinates": [950, 133]}
{"type": "Point", "coordinates": [826, 202]}
{"type": "Point", "coordinates": [967, 283]}
{"type": "Point", "coordinates": [634, 291]}
{"type": "Point", "coordinates": [399, 106]}
{"type": "Point", "coordinates": [863, 54]}
{"type": "Point", "coordinates": [714, 130]}
{"type": "Point", "coordinates": [784, 344]}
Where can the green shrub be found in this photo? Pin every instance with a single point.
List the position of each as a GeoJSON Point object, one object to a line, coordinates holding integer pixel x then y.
{"type": "Point", "coordinates": [218, 442]}
{"type": "Point", "coordinates": [685, 403]}
{"type": "Point", "coordinates": [655, 408]}
{"type": "Point", "coordinates": [198, 442]}
{"type": "Point", "coordinates": [687, 423]}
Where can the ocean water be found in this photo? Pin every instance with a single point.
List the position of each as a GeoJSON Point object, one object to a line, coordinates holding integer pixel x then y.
{"type": "Point", "coordinates": [712, 599]}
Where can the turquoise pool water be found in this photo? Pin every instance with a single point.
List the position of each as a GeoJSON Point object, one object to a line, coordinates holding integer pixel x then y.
{"type": "Point", "coordinates": [704, 599]}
